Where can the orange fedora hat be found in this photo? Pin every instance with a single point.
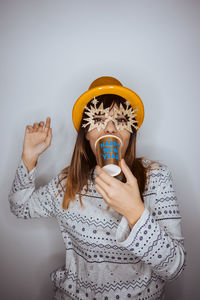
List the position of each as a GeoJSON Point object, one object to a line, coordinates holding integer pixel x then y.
{"type": "Point", "coordinates": [107, 85]}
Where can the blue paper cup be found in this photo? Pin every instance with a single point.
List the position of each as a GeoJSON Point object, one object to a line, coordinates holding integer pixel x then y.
{"type": "Point", "coordinates": [108, 153]}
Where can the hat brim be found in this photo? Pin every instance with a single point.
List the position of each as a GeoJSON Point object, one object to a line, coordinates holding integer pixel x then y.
{"type": "Point", "coordinates": [122, 91]}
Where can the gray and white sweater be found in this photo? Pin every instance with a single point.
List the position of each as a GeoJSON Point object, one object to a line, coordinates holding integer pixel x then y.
{"type": "Point", "coordinates": [105, 258]}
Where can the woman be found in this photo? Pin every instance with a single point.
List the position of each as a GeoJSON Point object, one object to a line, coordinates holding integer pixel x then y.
{"type": "Point", "coordinates": [122, 234]}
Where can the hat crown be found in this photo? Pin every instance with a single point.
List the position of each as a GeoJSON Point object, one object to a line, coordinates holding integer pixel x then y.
{"type": "Point", "coordinates": [104, 80]}
{"type": "Point", "coordinates": [102, 86]}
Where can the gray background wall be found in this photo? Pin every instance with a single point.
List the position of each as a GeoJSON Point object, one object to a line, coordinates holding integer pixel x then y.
{"type": "Point", "coordinates": [50, 53]}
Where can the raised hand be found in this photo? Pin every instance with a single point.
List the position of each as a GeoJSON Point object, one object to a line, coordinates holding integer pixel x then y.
{"type": "Point", "coordinates": [37, 139]}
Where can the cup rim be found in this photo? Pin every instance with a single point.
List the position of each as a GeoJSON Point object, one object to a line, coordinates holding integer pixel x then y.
{"type": "Point", "coordinates": [116, 172]}
{"type": "Point", "coordinates": [106, 135]}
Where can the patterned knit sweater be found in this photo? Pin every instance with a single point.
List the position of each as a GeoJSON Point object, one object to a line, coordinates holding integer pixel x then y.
{"type": "Point", "coordinates": [105, 258]}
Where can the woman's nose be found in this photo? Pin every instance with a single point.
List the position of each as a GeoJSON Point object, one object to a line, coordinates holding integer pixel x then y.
{"type": "Point", "coordinates": [110, 127]}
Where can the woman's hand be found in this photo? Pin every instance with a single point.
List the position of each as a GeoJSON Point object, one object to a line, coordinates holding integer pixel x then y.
{"type": "Point", "coordinates": [122, 197]}
{"type": "Point", "coordinates": [36, 140]}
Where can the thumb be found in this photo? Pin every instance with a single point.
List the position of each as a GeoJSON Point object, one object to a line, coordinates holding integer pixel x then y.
{"type": "Point", "coordinates": [49, 136]}
{"type": "Point", "coordinates": [127, 172]}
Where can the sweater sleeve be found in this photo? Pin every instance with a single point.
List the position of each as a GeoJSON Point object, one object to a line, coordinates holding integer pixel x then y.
{"type": "Point", "coordinates": [156, 237]}
{"type": "Point", "coordinates": [28, 202]}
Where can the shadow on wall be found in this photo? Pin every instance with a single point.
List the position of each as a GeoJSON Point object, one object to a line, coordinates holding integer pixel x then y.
{"type": "Point", "coordinates": [174, 290]}
{"type": "Point", "coordinates": [46, 291]}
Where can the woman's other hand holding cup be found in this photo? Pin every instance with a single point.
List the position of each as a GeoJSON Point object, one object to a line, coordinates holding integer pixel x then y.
{"type": "Point", "coordinates": [122, 197]}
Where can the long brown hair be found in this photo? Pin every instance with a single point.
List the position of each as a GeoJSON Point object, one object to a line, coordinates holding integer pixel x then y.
{"type": "Point", "coordinates": [83, 159]}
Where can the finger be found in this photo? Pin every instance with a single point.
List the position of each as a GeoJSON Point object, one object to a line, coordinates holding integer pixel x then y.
{"type": "Point", "coordinates": [35, 127]}
{"type": "Point", "coordinates": [127, 172]}
{"type": "Point", "coordinates": [47, 125]}
{"type": "Point", "coordinates": [105, 176]}
{"type": "Point", "coordinates": [102, 192]}
{"type": "Point", "coordinates": [102, 184]}
{"type": "Point", "coordinates": [29, 129]}
{"type": "Point", "coordinates": [41, 124]}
